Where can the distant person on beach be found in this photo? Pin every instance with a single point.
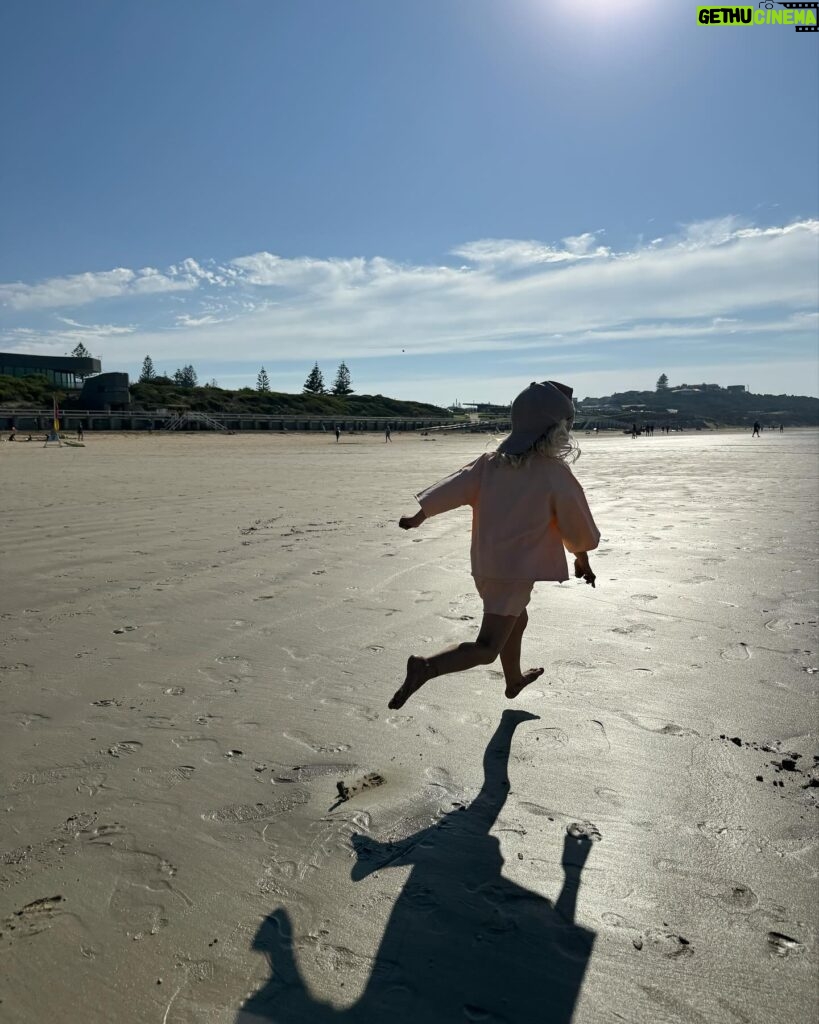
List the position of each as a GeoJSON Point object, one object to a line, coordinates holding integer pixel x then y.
{"type": "Point", "coordinates": [633, 430]}
{"type": "Point", "coordinates": [80, 434]}
{"type": "Point", "coordinates": [13, 433]}
{"type": "Point", "coordinates": [338, 433]}
{"type": "Point", "coordinates": [781, 428]}
{"type": "Point", "coordinates": [757, 429]}
{"type": "Point", "coordinates": [387, 434]}
{"type": "Point", "coordinates": [526, 507]}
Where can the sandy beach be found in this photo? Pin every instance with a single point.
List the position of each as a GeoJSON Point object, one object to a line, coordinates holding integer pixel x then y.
{"type": "Point", "coordinates": [198, 639]}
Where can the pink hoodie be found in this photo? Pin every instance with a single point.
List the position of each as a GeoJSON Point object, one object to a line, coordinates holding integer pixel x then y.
{"type": "Point", "coordinates": [521, 518]}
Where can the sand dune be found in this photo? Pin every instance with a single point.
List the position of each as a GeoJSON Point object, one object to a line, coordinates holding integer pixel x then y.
{"type": "Point", "coordinates": [198, 639]}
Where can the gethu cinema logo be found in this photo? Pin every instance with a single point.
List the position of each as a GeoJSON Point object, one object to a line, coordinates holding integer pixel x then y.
{"type": "Point", "coordinates": [803, 16]}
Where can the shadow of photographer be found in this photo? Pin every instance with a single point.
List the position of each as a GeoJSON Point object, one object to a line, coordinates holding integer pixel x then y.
{"type": "Point", "coordinates": [462, 942]}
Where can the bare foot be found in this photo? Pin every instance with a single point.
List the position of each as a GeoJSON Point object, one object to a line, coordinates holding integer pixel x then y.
{"type": "Point", "coordinates": [417, 674]}
{"type": "Point", "coordinates": [513, 689]}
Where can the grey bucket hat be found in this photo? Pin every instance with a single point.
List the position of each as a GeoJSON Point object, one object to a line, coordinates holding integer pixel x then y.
{"type": "Point", "coordinates": [536, 409]}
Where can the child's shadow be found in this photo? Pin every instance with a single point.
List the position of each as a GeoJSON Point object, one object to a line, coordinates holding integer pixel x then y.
{"type": "Point", "coordinates": [462, 941]}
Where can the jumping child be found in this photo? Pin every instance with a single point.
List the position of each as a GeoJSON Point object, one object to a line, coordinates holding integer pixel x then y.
{"type": "Point", "coordinates": [526, 507]}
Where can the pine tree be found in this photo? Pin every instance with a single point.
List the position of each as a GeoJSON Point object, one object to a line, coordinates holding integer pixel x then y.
{"type": "Point", "coordinates": [186, 377]}
{"type": "Point", "coordinates": [341, 385]}
{"type": "Point", "coordinates": [662, 382]}
{"type": "Point", "coordinates": [262, 381]}
{"type": "Point", "coordinates": [81, 352]}
{"type": "Point", "coordinates": [315, 381]}
{"type": "Point", "coordinates": [148, 372]}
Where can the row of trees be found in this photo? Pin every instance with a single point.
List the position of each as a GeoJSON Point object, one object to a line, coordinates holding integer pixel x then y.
{"type": "Point", "coordinates": [186, 377]}
{"type": "Point", "coordinates": [314, 385]}
{"type": "Point", "coordinates": [342, 385]}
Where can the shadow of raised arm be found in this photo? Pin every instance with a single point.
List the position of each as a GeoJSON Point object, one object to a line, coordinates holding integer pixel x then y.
{"type": "Point", "coordinates": [284, 999]}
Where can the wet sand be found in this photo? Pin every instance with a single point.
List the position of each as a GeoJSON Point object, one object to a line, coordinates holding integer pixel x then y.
{"type": "Point", "coordinates": [198, 639]}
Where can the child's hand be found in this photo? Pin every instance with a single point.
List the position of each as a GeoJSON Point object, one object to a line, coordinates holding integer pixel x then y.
{"type": "Point", "coordinates": [583, 569]}
{"type": "Point", "coordinates": [410, 522]}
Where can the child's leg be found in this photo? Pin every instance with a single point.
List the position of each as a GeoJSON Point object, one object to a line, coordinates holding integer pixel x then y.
{"type": "Point", "coordinates": [494, 632]}
{"type": "Point", "coordinates": [510, 659]}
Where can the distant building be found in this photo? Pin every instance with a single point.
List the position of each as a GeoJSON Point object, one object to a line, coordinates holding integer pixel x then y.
{"type": "Point", "coordinates": [90, 388]}
{"type": "Point", "coordinates": [737, 388]}
{"type": "Point", "coordinates": [105, 391]}
{"type": "Point", "coordinates": [65, 372]}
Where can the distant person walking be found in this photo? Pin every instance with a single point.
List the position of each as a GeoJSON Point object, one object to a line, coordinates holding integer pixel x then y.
{"type": "Point", "coordinates": [781, 428]}
{"type": "Point", "coordinates": [757, 430]}
{"type": "Point", "coordinates": [80, 434]}
{"type": "Point", "coordinates": [526, 507]}
{"type": "Point", "coordinates": [387, 434]}
{"type": "Point", "coordinates": [338, 433]}
{"type": "Point", "coordinates": [633, 430]}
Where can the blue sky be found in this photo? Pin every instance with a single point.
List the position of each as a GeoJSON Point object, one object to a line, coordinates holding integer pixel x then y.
{"type": "Point", "coordinates": [455, 197]}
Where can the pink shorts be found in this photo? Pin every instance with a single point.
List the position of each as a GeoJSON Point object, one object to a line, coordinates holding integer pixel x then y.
{"type": "Point", "coordinates": [504, 597]}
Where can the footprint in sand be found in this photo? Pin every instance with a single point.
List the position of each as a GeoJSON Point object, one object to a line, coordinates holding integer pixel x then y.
{"type": "Point", "coordinates": [350, 709]}
{"type": "Point", "coordinates": [346, 791]}
{"type": "Point", "coordinates": [784, 945]}
{"type": "Point", "coordinates": [26, 718]}
{"type": "Point", "coordinates": [540, 812]}
{"type": "Point", "coordinates": [672, 729]}
{"type": "Point", "coordinates": [238, 814]}
{"type": "Point", "coordinates": [318, 748]}
{"type": "Point", "coordinates": [282, 775]}
{"type": "Point", "coordinates": [551, 737]}
{"type": "Point", "coordinates": [235, 662]}
{"type": "Point", "coordinates": [735, 897]}
{"type": "Point", "coordinates": [31, 919]}
{"type": "Point", "coordinates": [166, 778]}
{"type": "Point", "coordinates": [125, 747]}
{"type": "Point", "coordinates": [737, 652]}
{"type": "Point", "coordinates": [780, 625]}
{"type": "Point", "coordinates": [661, 943]}
{"type": "Point", "coordinates": [473, 718]}
{"type": "Point", "coordinates": [657, 726]}
{"type": "Point", "coordinates": [635, 629]}
{"type": "Point", "coordinates": [609, 796]}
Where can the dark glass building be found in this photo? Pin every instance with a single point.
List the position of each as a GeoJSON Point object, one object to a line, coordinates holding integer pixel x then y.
{"type": "Point", "coordinates": [87, 387]}
{"type": "Point", "coordinates": [65, 371]}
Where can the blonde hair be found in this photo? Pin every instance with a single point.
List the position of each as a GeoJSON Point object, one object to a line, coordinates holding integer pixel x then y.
{"type": "Point", "coordinates": [556, 443]}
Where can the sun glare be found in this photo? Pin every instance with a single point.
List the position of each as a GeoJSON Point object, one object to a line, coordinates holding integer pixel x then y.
{"type": "Point", "coordinates": [602, 9]}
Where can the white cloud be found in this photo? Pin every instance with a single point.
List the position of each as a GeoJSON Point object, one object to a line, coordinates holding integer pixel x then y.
{"type": "Point", "coordinates": [60, 340]}
{"type": "Point", "coordinates": [196, 321]}
{"type": "Point", "coordinates": [265, 269]}
{"type": "Point", "coordinates": [718, 282]}
{"type": "Point", "coordinates": [82, 289]}
{"type": "Point", "coordinates": [509, 252]}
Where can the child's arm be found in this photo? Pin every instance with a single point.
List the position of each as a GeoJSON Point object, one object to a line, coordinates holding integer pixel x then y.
{"type": "Point", "coordinates": [577, 528]}
{"type": "Point", "coordinates": [582, 567]}
{"type": "Point", "coordinates": [410, 522]}
{"type": "Point", "coordinates": [460, 488]}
